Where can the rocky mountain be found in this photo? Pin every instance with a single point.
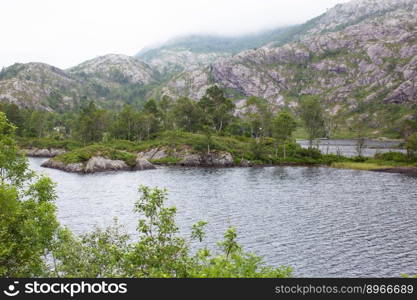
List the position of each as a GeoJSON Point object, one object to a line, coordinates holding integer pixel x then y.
{"type": "Point", "coordinates": [39, 86]}
{"type": "Point", "coordinates": [359, 57]}
{"type": "Point", "coordinates": [115, 69]}
{"type": "Point", "coordinates": [111, 80]}
{"type": "Point", "coordinates": [188, 53]}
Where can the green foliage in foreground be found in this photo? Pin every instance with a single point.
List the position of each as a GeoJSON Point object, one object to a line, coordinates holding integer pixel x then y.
{"type": "Point", "coordinates": [159, 251]}
{"type": "Point", "coordinates": [27, 212]}
{"type": "Point", "coordinates": [33, 244]}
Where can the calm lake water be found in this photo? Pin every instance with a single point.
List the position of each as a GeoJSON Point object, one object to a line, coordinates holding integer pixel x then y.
{"type": "Point", "coordinates": [321, 221]}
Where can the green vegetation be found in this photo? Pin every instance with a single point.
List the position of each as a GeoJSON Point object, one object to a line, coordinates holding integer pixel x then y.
{"type": "Point", "coordinates": [260, 133]}
{"type": "Point", "coordinates": [283, 127]}
{"type": "Point", "coordinates": [33, 244]}
{"type": "Point", "coordinates": [358, 166]}
{"type": "Point", "coordinates": [84, 154]}
{"type": "Point", "coordinates": [313, 117]}
{"type": "Point", "coordinates": [380, 161]}
{"type": "Point", "coordinates": [27, 212]}
{"type": "Point", "coordinates": [48, 143]}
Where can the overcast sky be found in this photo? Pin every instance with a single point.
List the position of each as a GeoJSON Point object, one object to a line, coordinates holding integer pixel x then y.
{"type": "Point", "coordinates": [64, 33]}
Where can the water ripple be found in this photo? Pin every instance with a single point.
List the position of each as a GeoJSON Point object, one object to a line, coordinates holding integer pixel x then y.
{"type": "Point", "coordinates": [323, 222]}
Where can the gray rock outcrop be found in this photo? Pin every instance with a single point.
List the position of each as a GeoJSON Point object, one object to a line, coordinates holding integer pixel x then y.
{"type": "Point", "coordinates": [44, 152]}
{"type": "Point", "coordinates": [186, 157]}
{"type": "Point", "coordinates": [98, 164]}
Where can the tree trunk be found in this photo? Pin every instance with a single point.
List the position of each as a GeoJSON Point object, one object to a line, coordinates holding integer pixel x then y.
{"type": "Point", "coordinates": [285, 154]}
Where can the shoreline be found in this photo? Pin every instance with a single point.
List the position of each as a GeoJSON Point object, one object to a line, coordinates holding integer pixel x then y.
{"type": "Point", "coordinates": [406, 170]}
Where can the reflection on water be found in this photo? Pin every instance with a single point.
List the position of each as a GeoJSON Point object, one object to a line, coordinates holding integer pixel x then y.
{"type": "Point", "coordinates": [322, 221]}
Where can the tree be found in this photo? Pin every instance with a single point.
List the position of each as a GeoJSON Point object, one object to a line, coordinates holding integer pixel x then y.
{"type": "Point", "coordinates": [311, 112]}
{"type": "Point", "coordinates": [360, 132]}
{"type": "Point", "coordinates": [158, 250]}
{"type": "Point", "coordinates": [259, 114]}
{"type": "Point", "coordinates": [14, 115]}
{"type": "Point", "coordinates": [37, 124]}
{"type": "Point", "coordinates": [208, 137]}
{"type": "Point", "coordinates": [409, 125]}
{"type": "Point", "coordinates": [283, 127]}
{"type": "Point", "coordinates": [92, 123]}
{"type": "Point", "coordinates": [218, 110]}
{"type": "Point", "coordinates": [151, 107]}
{"type": "Point", "coordinates": [27, 213]}
{"type": "Point", "coordinates": [187, 114]}
{"type": "Point", "coordinates": [411, 144]}
{"type": "Point", "coordinates": [165, 108]}
{"type": "Point", "coordinates": [126, 124]}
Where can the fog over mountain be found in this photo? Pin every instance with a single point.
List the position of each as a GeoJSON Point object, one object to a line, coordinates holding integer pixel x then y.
{"type": "Point", "coordinates": [67, 32]}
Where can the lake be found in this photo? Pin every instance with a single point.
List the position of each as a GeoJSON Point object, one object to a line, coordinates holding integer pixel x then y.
{"type": "Point", "coordinates": [323, 222]}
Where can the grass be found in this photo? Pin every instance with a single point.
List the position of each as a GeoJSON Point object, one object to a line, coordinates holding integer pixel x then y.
{"type": "Point", "coordinates": [48, 143]}
{"type": "Point", "coordinates": [84, 154]}
{"type": "Point", "coordinates": [380, 161]}
{"type": "Point", "coordinates": [259, 152]}
{"type": "Point", "coordinates": [364, 166]}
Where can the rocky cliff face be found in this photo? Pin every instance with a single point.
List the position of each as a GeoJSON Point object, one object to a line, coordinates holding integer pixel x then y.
{"type": "Point", "coordinates": [359, 68]}
{"type": "Point", "coordinates": [355, 11]}
{"type": "Point", "coordinates": [43, 87]}
{"type": "Point", "coordinates": [98, 164]}
{"type": "Point", "coordinates": [170, 61]}
{"type": "Point", "coordinates": [116, 68]}
{"type": "Point", "coordinates": [39, 86]}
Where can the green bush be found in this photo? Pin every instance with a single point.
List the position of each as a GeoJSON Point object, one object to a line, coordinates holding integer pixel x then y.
{"type": "Point", "coordinates": [84, 154]}
{"type": "Point", "coordinates": [158, 250]}
{"type": "Point", "coordinates": [359, 159]}
{"type": "Point", "coordinates": [392, 156]}
{"type": "Point", "coordinates": [308, 153]}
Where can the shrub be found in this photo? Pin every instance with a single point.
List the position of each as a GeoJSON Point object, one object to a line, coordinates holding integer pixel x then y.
{"type": "Point", "coordinates": [84, 154]}
{"type": "Point", "coordinates": [392, 156]}
{"type": "Point", "coordinates": [308, 153]}
{"type": "Point", "coordinates": [158, 250]}
{"type": "Point", "coordinates": [411, 144]}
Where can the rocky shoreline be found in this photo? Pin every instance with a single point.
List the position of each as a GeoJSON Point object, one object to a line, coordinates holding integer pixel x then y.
{"type": "Point", "coordinates": [98, 164]}
{"type": "Point", "coordinates": [146, 160]}
{"type": "Point", "coordinates": [183, 156]}
{"type": "Point", "coordinates": [44, 152]}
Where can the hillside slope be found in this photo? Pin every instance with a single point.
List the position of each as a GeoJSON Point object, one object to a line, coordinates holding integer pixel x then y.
{"type": "Point", "coordinates": [358, 71]}
{"type": "Point", "coordinates": [359, 58]}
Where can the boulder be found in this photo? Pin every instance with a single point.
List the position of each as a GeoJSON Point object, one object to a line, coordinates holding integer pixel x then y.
{"type": "Point", "coordinates": [143, 164]}
{"type": "Point", "coordinates": [43, 152]}
{"type": "Point", "coordinates": [220, 159]}
{"type": "Point", "coordinates": [101, 164]}
{"type": "Point", "coordinates": [98, 164]}
{"type": "Point", "coordinates": [191, 160]}
{"type": "Point", "coordinates": [73, 168]}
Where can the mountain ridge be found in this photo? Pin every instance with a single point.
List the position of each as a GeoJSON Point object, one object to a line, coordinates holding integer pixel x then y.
{"type": "Point", "coordinates": [359, 57]}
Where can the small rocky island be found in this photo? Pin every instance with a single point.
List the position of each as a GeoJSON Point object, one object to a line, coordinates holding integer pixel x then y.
{"type": "Point", "coordinates": [98, 164]}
